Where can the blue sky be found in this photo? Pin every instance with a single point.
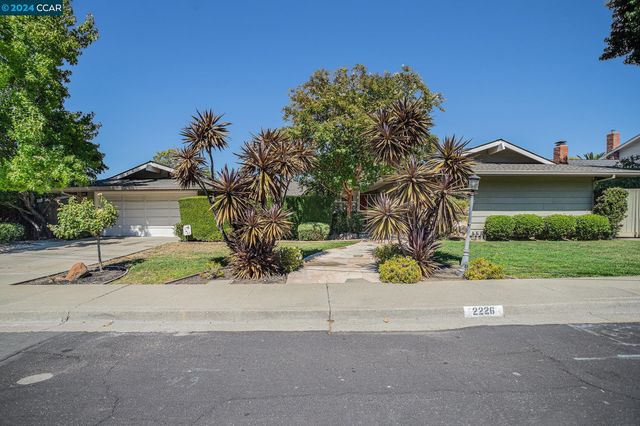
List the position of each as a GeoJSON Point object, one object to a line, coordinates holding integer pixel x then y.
{"type": "Point", "coordinates": [527, 72]}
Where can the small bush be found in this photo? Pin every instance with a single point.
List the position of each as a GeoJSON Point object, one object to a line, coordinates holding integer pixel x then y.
{"type": "Point", "coordinates": [400, 269]}
{"type": "Point", "coordinates": [498, 228]}
{"type": "Point", "coordinates": [212, 271]}
{"type": "Point", "coordinates": [559, 227]}
{"type": "Point", "coordinates": [11, 232]}
{"type": "Point", "coordinates": [289, 259]}
{"type": "Point", "coordinates": [527, 226]}
{"type": "Point", "coordinates": [483, 269]}
{"type": "Point", "coordinates": [309, 208]}
{"type": "Point", "coordinates": [612, 204]}
{"type": "Point", "coordinates": [313, 231]}
{"type": "Point", "coordinates": [384, 252]}
{"type": "Point", "coordinates": [592, 227]}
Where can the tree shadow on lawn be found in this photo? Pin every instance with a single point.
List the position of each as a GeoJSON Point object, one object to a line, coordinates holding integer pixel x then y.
{"type": "Point", "coordinates": [446, 258]}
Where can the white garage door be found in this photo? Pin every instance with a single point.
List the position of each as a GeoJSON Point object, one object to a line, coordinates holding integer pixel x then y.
{"type": "Point", "coordinates": [146, 213]}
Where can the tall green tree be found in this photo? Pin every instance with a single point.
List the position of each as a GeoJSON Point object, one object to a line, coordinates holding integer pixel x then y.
{"type": "Point", "coordinates": [624, 40]}
{"type": "Point", "coordinates": [167, 157]}
{"type": "Point", "coordinates": [43, 146]}
{"type": "Point", "coordinates": [334, 110]}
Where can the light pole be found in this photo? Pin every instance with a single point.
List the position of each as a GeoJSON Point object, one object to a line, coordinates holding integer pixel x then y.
{"type": "Point", "coordinates": [474, 183]}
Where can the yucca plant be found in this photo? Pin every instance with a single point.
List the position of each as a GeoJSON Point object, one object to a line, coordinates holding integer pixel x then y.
{"type": "Point", "coordinates": [249, 200]}
{"type": "Point", "coordinates": [419, 203]}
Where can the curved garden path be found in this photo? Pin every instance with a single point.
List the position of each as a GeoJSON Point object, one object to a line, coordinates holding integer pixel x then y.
{"type": "Point", "coordinates": [354, 263]}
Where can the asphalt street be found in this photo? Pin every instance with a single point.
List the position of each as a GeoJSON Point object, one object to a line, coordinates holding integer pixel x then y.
{"type": "Point", "coordinates": [560, 374]}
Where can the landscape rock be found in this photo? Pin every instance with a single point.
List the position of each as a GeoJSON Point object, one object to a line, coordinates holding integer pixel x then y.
{"type": "Point", "coordinates": [78, 270]}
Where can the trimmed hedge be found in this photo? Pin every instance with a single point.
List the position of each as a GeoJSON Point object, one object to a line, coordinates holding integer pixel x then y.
{"type": "Point", "coordinates": [313, 231]}
{"type": "Point", "coordinates": [527, 226]}
{"type": "Point", "coordinates": [11, 232]}
{"type": "Point", "coordinates": [592, 227]}
{"type": "Point", "coordinates": [309, 208]}
{"type": "Point", "coordinates": [559, 227]}
{"type": "Point", "coordinates": [400, 269]}
{"type": "Point", "coordinates": [195, 211]}
{"type": "Point", "coordinates": [499, 228]}
{"type": "Point", "coordinates": [554, 227]}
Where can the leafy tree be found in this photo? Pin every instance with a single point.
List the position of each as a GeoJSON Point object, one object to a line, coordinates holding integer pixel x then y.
{"type": "Point", "coordinates": [249, 200]}
{"type": "Point", "coordinates": [333, 109]}
{"type": "Point", "coordinates": [624, 39]}
{"type": "Point", "coordinates": [166, 157]}
{"type": "Point", "coordinates": [82, 217]}
{"type": "Point", "coordinates": [43, 146]}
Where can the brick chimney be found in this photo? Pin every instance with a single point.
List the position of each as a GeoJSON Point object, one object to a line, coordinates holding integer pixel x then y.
{"type": "Point", "coordinates": [561, 152]}
{"type": "Point", "coordinates": [613, 141]}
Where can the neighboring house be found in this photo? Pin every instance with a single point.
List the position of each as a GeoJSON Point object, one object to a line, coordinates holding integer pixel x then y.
{"type": "Point", "coordinates": [146, 197]}
{"type": "Point", "coordinates": [616, 151]}
{"type": "Point", "coordinates": [515, 180]}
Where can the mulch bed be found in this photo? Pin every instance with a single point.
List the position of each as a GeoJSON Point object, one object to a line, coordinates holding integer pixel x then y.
{"type": "Point", "coordinates": [95, 277]}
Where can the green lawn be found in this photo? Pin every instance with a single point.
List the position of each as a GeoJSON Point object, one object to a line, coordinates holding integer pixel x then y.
{"type": "Point", "coordinates": [177, 260]}
{"type": "Point", "coordinates": [553, 259]}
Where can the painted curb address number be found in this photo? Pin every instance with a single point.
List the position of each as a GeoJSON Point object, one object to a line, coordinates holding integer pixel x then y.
{"type": "Point", "coordinates": [483, 311]}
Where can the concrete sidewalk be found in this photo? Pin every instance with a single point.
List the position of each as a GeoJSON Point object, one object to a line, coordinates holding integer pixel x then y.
{"type": "Point", "coordinates": [336, 307]}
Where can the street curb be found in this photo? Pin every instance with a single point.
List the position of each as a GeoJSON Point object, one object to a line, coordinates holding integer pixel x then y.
{"type": "Point", "coordinates": [413, 319]}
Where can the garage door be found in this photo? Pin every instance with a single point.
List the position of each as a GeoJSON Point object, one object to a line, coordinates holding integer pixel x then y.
{"type": "Point", "coordinates": [146, 213]}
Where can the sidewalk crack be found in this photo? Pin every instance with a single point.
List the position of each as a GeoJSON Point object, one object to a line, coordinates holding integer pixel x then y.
{"type": "Point", "coordinates": [330, 319]}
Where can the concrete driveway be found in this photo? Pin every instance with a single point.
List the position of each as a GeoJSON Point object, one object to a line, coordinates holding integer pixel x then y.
{"type": "Point", "coordinates": [35, 259]}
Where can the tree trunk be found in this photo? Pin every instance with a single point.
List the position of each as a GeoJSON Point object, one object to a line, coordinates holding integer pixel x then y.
{"type": "Point", "coordinates": [99, 252]}
{"type": "Point", "coordinates": [348, 192]}
{"type": "Point", "coordinates": [29, 212]}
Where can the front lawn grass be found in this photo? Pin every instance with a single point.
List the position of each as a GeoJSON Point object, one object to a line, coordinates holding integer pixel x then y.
{"type": "Point", "coordinates": [552, 259]}
{"type": "Point", "coordinates": [178, 260]}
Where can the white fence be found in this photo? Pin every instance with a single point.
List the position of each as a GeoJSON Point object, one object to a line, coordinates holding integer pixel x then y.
{"type": "Point", "coordinates": [631, 224]}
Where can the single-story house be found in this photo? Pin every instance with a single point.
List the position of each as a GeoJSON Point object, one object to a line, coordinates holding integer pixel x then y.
{"type": "Point", "coordinates": [146, 197]}
{"type": "Point", "coordinates": [515, 180]}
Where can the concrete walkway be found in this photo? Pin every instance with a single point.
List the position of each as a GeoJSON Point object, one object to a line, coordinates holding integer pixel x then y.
{"type": "Point", "coordinates": [351, 264]}
{"type": "Point", "coordinates": [34, 259]}
{"type": "Point", "coordinates": [329, 307]}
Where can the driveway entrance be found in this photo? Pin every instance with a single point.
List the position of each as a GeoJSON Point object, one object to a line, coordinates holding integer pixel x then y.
{"type": "Point", "coordinates": [35, 259]}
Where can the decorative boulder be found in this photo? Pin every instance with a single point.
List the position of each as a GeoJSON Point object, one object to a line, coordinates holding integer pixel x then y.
{"type": "Point", "coordinates": [78, 270]}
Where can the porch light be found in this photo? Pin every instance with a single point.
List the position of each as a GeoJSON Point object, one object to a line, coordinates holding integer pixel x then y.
{"type": "Point", "coordinates": [474, 182]}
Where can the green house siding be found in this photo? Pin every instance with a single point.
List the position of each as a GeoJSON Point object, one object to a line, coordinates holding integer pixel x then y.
{"type": "Point", "coordinates": [542, 195]}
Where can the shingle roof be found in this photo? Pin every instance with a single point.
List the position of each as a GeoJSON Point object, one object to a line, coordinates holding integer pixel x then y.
{"type": "Point", "coordinates": [592, 163]}
{"type": "Point", "coordinates": [128, 184]}
{"type": "Point", "coordinates": [509, 169]}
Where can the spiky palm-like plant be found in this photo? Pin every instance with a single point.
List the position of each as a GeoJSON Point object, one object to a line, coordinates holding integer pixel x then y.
{"type": "Point", "coordinates": [239, 198]}
{"type": "Point", "coordinates": [419, 204]}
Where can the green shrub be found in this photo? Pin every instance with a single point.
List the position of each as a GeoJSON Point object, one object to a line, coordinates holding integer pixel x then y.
{"type": "Point", "coordinates": [559, 226]}
{"type": "Point", "coordinates": [483, 269]}
{"type": "Point", "coordinates": [308, 208]}
{"type": "Point", "coordinates": [343, 224]}
{"type": "Point", "coordinates": [527, 226]}
{"type": "Point", "coordinates": [384, 252]}
{"type": "Point", "coordinates": [289, 259]}
{"type": "Point", "coordinates": [212, 271]}
{"type": "Point", "coordinates": [11, 232]}
{"type": "Point", "coordinates": [313, 231]}
{"type": "Point", "coordinates": [612, 204]}
{"type": "Point", "coordinates": [400, 269]}
{"type": "Point", "coordinates": [592, 227]}
{"type": "Point", "coordinates": [195, 211]}
{"type": "Point", "coordinates": [499, 228]}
